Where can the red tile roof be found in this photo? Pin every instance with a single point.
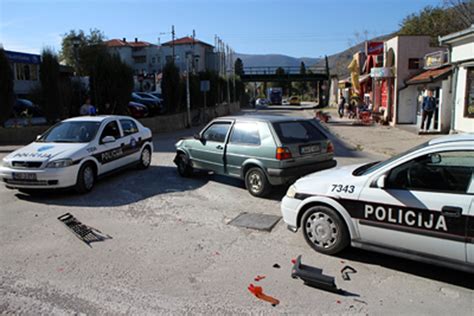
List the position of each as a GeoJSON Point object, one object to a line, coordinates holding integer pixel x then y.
{"type": "Point", "coordinates": [120, 43]}
{"type": "Point", "coordinates": [185, 41]}
{"type": "Point", "coordinates": [430, 75]}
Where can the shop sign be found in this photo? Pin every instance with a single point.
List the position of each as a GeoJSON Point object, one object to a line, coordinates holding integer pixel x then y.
{"type": "Point", "coordinates": [381, 72]}
{"type": "Point", "coordinates": [23, 58]}
{"type": "Point", "coordinates": [435, 59]}
{"type": "Point", "coordinates": [374, 48]}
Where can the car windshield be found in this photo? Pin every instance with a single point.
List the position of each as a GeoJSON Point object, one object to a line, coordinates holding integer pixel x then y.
{"type": "Point", "coordinates": [71, 132]}
{"type": "Point", "coordinates": [373, 166]}
{"type": "Point", "coordinates": [297, 132]}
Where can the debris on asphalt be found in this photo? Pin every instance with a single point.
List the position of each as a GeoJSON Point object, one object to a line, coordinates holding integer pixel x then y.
{"type": "Point", "coordinates": [259, 278]}
{"type": "Point", "coordinates": [83, 232]}
{"type": "Point", "coordinates": [293, 261]}
{"type": "Point", "coordinates": [258, 292]}
{"type": "Point", "coordinates": [314, 277]}
{"type": "Point", "coordinates": [276, 266]}
{"type": "Point", "coordinates": [345, 272]}
{"type": "Point", "coordinates": [360, 301]}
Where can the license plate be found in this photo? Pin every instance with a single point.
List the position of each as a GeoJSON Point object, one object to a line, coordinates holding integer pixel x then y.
{"type": "Point", "coordinates": [304, 150]}
{"type": "Point", "coordinates": [24, 176]}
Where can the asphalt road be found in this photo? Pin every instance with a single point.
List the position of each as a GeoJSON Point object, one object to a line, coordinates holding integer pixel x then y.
{"type": "Point", "coordinates": [172, 251]}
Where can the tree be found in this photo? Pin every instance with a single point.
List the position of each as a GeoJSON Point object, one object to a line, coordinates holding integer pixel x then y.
{"type": "Point", "coordinates": [76, 48]}
{"type": "Point", "coordinates": [432, 21]}
{"type": "Point", "coordinates": [462, 10]}
{"type": "Point", "coordinates": [111, 82]}
{"type": "Point", "coordinates": [170, 87]}
{"type": "Point", "coordinates": [7, 95]}
{"type": "Point", "coordinates": [49, 79]}
{"type": "Point", "coordinates": [239, 67]}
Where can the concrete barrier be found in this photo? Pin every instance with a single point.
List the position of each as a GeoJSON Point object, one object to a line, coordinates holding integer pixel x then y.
{"type": "Point", "coordinates": [158, 124]}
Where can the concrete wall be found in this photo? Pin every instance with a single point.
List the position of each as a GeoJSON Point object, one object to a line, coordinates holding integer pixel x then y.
{"type": "Point", "coordinates": [407, 105]}
{"type": "Point", "coordinates": [463, 50]}
{"type": "Point", "coordinates": [158, 124]}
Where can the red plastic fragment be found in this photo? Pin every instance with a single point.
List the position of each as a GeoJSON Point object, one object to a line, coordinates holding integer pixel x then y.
{"type": "Point", "coordinates": [293, 261]}
{"type": "Point", "coordinates": [258, 292]}
{"type": "Point", "coordinates": [259, 277]}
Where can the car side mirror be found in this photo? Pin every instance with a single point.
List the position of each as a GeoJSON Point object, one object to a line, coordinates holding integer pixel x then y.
{"type": "Point", "coordinates": [380, 183]}
{"type": "Point", "coordinates": [38, 137]}
{"type": "Point", "coordinates": [197, 136]}
{"type": "Point", "coordinates": [108, 139]}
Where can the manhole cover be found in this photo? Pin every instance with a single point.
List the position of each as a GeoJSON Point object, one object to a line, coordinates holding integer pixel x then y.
{"type": "Point", "coordinates": [255, 221]}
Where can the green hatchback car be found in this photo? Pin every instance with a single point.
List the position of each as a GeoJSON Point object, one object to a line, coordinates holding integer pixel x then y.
{"type": "Point", "coordinates": [264, 151]}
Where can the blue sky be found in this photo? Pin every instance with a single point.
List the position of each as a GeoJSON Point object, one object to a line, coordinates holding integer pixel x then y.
{"type": "Point", "coordinates": [299, 28]}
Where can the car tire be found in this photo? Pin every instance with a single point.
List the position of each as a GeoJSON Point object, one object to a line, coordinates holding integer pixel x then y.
{"type": "Point", "coordinates": [145, 158]}
{"type": "Point", "coordinates": [256, 182]}
{"type": "Point", "coordinates": [324, 230]}
{"type": "Point", "coordinates": [184, 169]}
{"type": "Point", "coordinates": [85, 178]}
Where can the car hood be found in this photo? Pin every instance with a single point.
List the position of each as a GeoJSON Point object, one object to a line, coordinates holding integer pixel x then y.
{"type": "Point", "coordinates": [46, 151]}
{"type": "Point", "coordinates": [321, 182]}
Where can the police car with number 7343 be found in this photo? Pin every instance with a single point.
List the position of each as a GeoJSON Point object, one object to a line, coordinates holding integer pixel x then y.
{"type": "Point", "coordinates": [76, 151]}
{"type": "Point", "coordinates": [418, 205]}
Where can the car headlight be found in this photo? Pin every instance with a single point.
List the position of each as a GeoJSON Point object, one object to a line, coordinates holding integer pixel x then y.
{"type": "Point", "coordinates": [291, 193]}
{"type": "Point", "coordinates": [61, 163]}
{"type": "Point", "coordinates": [5, 163]}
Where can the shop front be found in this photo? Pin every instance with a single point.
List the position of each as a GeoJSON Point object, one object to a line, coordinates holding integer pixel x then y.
{"type": "Point", "coordinates": [382, 87]}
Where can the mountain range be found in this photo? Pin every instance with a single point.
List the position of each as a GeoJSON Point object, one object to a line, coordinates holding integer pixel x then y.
{"type": "Point", "coordinates": [271, 60]}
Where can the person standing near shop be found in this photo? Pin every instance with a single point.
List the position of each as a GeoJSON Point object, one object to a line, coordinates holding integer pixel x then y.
{"type": "Point", "coordinates": [428, 108]}
{"type": "Point", "coordinates": [342, 102]}
{"type": "Point", "coordinates": [87, 108]}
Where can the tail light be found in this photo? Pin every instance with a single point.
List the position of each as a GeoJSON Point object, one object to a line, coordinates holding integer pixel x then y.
{"type": "Point", "coordinates": [283, 153]}
{"type": "Point", "coordinates": [330, 148]}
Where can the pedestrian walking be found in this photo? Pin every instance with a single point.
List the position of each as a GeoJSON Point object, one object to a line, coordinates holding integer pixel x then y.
{"type": "Point", "coordinates": [342, 102]}
{"type": "Point", "coordinates": [428, 107]}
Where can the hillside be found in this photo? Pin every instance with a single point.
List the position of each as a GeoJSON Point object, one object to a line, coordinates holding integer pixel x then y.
{"type": "Point", "coordinates": [251, 60]}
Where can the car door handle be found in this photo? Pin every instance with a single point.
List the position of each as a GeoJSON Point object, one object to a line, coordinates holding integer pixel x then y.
{"type": "Point", "coordinates": [219, 147]}
{"type": "Point", "coordinates": [451, 211]}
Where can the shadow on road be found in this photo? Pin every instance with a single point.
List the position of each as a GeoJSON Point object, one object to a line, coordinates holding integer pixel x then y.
{"type": "Point", "coordinates": [433, 272]}
{"type": "Point", "coordinates": [122, 188]}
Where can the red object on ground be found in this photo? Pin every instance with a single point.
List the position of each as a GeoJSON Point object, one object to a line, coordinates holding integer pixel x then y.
{"type": "Point", "coordinates": [259, 277]}
{"type": "Point", "coordinates": [258, 292]}
{"type": "Point", "coordinates": [293, 261]}
{"type": "Point", "coordinates": [338, 302]}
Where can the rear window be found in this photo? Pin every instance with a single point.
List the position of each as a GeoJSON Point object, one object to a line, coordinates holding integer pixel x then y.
{"type": "Point", "coordinates": [298, 132]}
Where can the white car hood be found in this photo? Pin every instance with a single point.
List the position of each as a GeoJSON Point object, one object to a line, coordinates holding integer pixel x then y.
{"type": "Point", "coordinates": [320, 182]}
{"type": "Point", "coordinates": [46, 151]}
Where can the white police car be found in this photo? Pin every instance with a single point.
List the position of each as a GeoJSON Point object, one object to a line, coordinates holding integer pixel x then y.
{"type": "Point", "coordinates": [418, 205]}
{"type": "Point", "coordinates": [76, 151]}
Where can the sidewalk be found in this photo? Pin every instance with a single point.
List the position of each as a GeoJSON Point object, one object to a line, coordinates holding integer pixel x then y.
{"type": "Point", "coordinates": [386, 140]}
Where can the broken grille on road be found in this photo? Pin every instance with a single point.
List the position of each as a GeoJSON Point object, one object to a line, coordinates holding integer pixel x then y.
{"type": "Point", "coordinates": [85, 233]}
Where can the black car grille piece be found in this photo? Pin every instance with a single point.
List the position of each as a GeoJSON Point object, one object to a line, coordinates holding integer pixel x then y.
{"type": "Point", "coordinates": [86, 233]}
{"type": "Point", "coordinates": [27, 164]}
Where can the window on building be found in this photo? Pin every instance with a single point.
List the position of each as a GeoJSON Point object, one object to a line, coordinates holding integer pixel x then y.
{"type": "Point", "coordinates": [469, 106]}
{"type": "Point", "coordinates": [26, 71]}
{"type": "Point", "coordinates": [413, 63]}
{"type": "Point", "coordinates": [153, 60]}
{"type": "Point", "coordinates": [139, 59]}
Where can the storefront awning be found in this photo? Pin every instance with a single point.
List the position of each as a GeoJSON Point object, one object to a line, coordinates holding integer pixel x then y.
{"type": "Point", "coordinates": [431, 75]}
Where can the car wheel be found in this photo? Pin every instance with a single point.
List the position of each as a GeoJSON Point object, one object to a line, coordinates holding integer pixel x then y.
{"type": "Point", "coordinates": [145, 158]}
{"type": "Point", "coordinates": [256, 182]}
{"type": "Point", "coordinates": [85, 178]}
{"type": "Point", "coordinates": [324, 230]}
{"type": "Point", "coordinates": [184, 169]}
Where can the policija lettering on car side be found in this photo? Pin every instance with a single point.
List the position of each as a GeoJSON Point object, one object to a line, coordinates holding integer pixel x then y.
{"type": "Point", "coordinates": [407, 217]}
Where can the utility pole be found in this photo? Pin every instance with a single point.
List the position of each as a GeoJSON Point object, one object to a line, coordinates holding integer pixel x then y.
{"type": "Point", "coordinates": [172, 41]}
{"type": "Point", "coordinates": [227, 74]}
{"type": "Point", "coordinates": [188, 96]}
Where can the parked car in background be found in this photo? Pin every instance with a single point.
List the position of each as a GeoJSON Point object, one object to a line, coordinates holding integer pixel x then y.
{"type": "Point", "coordinates": [26, 113]}
{"type": "Point", "coordinates": [261, 102]}
{"type": "Point", "coordinates": [417, 205]}
{"type": "Point", "coordinates": [294, 100]}
{"type": "Point", "coordinates": [154, 95]}
{"type": "Point", "coordinates": [264, 151]}
{"type": "Point", "coordinates": [76, 151]}
{"type": "Point", "coordinates": [137, 110]}
{"type": "Point", "coordinates": [154, 105]}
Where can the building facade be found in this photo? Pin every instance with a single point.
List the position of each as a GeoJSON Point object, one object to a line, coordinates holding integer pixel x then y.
{"type": "Point", "coordinates": [461, 56]}
{"type": "Point", "coordinates": [143, 57]}
{"type": "Point", "coordinates": [25, 71]}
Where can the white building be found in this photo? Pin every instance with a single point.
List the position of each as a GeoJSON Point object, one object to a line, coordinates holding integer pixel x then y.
{"type": "Point", "coordinates": [404, 55]}
{"type": "Point", "coordinates": [142, 56]}
{"type": "Point", "coordinates": [25, 71]}
{"type": "Point", "coordinates": [461, 55]}
{"type": "Point", "coordinates": [200, 55]}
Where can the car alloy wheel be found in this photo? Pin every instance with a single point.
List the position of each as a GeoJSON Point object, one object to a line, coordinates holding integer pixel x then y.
{"type": "Point", "coordinates": [88, 178]}
{"type": "Point", "coordinates": [255, 181]}
{"type": "Point", "coordinates": [146, 157]}
{"type": "Point", "coordinates": [325, 230]}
